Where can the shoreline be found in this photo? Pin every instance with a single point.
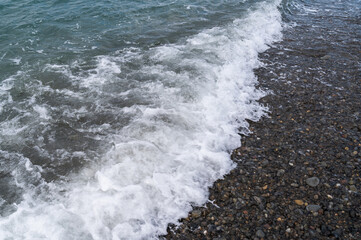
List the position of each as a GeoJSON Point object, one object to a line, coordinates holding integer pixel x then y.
{"type": "Point", "coordinates": [298, 173]}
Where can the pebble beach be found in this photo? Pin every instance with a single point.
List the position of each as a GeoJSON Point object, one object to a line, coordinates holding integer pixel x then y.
{"type": "Point", "coordinates": [298, 171]}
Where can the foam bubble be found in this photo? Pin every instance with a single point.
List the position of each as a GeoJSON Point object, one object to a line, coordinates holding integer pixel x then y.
{"type": "Point", "coordinates": [42, 111]}
{"type": "Point", "coordinates": [16, 61]}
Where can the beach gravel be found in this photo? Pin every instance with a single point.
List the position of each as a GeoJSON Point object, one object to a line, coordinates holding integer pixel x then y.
{"type": "Point", "coordinates": [298, 173]}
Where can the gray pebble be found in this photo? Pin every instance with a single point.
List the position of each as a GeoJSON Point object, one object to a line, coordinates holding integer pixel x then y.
{"type": "Point", "coordinates": [323, 164]}
{"type": "Point", "coordinates": [260, 234]}
{"type": "Point", "coordinates": [264, 162]}
{"type": "Point", "coordinates": [353, 188]}
{"type": "Point", "coordinates": [257, 199]}
{"type": "Point", "coordinates": [313, 208]}
{"type": "Point", "coordinates": [326, 57]}
{"type": "Point", "coordinates": [280, 172]}
{"type": "Point", "coordinates": [313, 181]}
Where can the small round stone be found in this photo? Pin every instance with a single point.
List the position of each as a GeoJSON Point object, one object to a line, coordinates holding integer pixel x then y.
{"type": "Point", "coordinates": [313, 208]}
{"type": "Point", "coordinates": [313, 181]}
{"type": "Point", "coordinates": [260, 234]}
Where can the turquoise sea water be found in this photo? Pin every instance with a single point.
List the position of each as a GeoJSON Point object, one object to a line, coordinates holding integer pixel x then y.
{"type": "Point", "coordinates": [41, 32]}
{"type": "Point", "coordinates": [46, 45]}
{"type": "Point", "coordinates": [116, 116]}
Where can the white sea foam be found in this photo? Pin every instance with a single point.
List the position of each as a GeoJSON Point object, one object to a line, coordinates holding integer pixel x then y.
{"type": "Point", "coordinates": [189, 99]}
{"type": "Point", "coordinates": [16, 61]}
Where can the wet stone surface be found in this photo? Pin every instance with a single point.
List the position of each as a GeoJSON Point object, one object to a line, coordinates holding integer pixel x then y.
{"type": "Point", "coordinates": [298, 173]}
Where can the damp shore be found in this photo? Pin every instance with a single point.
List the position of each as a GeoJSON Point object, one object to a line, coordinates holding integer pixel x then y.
{"type": "Point", "coordinates": [298, 172]}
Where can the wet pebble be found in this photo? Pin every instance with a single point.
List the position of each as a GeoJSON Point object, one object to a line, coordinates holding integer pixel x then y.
{"type": "Point", "coordinates": [313, 208]}
{"type": "Point", "coordinates": [196, 213]}
{"type": "Point", "coordinates": [260, 234]}
{"type": "Point", "coordinates": [280, 172]}
{"type": "Point", "coordinates": [353, 188]}
{"type": "Point", "coordinates": [313, 181]}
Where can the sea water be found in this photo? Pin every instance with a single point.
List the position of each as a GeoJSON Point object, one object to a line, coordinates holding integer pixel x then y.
{"type": "Point", "coordinates": [117, 116]}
